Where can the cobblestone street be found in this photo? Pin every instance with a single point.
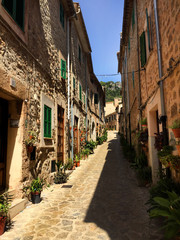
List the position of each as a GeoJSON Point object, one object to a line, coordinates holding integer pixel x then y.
{"type": "Point", "coordinates": [103, 203]}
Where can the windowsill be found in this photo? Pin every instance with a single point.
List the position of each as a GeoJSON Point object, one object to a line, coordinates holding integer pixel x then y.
{"type": "Point", "coordinates": [46, 138]}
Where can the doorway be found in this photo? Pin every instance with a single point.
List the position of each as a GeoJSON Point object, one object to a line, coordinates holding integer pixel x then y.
{"type": "Point", "coordinates": [3, 141]}
{"type": "Point", "coordinates": [60, 143]}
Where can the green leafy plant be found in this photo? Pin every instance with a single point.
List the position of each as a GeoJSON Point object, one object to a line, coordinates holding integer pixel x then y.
{"type": "Point", "coordinates": [61, 176]}
{"type": "Point", "coordinates": [5, 203]}
{"type": "Point", "coordinates": [144, 121]}
{"type": "Point", "coordinates": [175, 124]}
{"type": "Point", "coordinates": [35, 186]}
{"type": "Point", "coordinates": [140, 161]}
{"type": "Point", "coordinates": [169, 209]}
{"type": "Point", "coordinates": [32, 138]}
{"type": "Point", "coordinates": [144, 175]}
{"type": "Point", "coordinates": [77, 159]}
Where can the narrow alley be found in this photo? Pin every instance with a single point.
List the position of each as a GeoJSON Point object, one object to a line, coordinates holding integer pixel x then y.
{"type": "Point", "coordinates": [101, 200]}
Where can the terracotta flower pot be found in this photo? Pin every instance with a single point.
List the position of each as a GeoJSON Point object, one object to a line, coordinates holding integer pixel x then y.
{"type": "Point", "coordinates": [78, 164]}
{"type": "Point", "coordinates": [2, 224]}
{"type": "Point", "coordinates": [176, 132]}
{"type": "Point", "coordinates": [30, 148]}
{"type": "Point", "coordinates": [178, 148]}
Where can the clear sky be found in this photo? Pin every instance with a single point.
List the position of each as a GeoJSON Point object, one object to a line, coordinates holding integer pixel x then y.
{"type": "Point", "coordinates": [103, 20]}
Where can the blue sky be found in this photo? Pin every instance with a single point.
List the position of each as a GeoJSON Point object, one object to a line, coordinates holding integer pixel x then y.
{"type": "Point", "coordinates": [103, 20]}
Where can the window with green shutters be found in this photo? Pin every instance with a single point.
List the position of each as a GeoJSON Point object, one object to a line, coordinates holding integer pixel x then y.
{"type": "Point", "coordinates": [129, 44]}
{"type": "Point", "coordinates": [62, 14]}
{"type": "Point", "coordinates": [143, 49]}
{"type": "Point", "coordinates": [79, 54]}
{"type": "Point", "coordinates": [16, 9]}
{"type": "Point", "coordinates": [63, 69]}
{"type": "Point", "coordinates": [74, 83]}
{"type": "Point", "coordinates": [84, 99]}
{"type": "Point", "coordinates": [133, 78]}
{"type": "Point", "coordinates": [47, 121]}
{"type": "Point", "coordinates": [96, 98]}
{"type": "Point", "coordinates": [80, 92]}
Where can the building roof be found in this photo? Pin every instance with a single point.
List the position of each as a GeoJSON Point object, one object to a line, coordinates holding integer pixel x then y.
{"type": "Point", "coordinates": [81, 29]}
{"type": "Point", "coordinates": [128, 6]}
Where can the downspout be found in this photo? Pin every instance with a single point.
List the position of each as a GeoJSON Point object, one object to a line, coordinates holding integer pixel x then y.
{"type": "Point", "coordinates": [128, 107]}
{"type": "Point", "coordinates": [138, 56]}
{"type": "Point", "coordinates": [163, 117]}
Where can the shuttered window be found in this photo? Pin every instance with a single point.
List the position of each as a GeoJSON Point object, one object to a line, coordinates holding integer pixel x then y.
{"type": "Point", "coordinates": [16, 9]}
{"type": "Point", "coordinates": [133, 78]}
{"type": "Point", "coordinates": [62, 14]}
{"type": "Point", "coordinates": [74, 83]}
{"type": "Point", "coordinates": [79, 53]}
{"type": "Point", "coordinates": [148, 32]}
{"type": "Point", "coordinates": [96, 98]}
{"type": "Point", "coordinates": [80, 92]}
{"type": "Point", "coordinates": [129, 46]}
{"type": "Point", "coordinates": [47, 121]}
{"type": "Point", "coordinates": [143, 49]}
{"type": "Point", "coordinates": [63, 69]}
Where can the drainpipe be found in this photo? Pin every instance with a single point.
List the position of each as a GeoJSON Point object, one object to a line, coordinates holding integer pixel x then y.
{"type": "Point", "coordinates": [128, 107]}
{"type": "Point", "coordinates": [163, 118]}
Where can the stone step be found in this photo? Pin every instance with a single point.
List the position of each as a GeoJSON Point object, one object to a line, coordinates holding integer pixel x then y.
{"type": "Point", "coordinates": [17, 205]}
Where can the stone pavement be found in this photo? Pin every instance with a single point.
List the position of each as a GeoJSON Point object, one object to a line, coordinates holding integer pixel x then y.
{"type": "Point", "coordinates": [103, 203]}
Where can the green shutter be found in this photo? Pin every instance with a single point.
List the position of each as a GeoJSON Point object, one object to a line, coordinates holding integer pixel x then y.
{"type": "Point", "coordinates": [47, 121]}
{"type": "Point", "coordinates": [63, 69]}
{"type": "Point", "coordinates": [74, 83]}
{"type": "Point", "coordinates": [129, 44]}
{"type": "Point", "coordinates": [62, 14]}
{"type": "Point", "coordinates": [133, 18]}
{"type": "Point", "coordinates": [148, 33]}
{"type": "Point", "coordinates": [79, 53]}
{"type": "Point", "coordinates": [133, 78]}
{"type": "Point", "coordinates": [80, 92]}
{"type": "Point", "coordinates": [143, 49]}
{"type": "Point", "coordinates": [84, 99]}
{"type": "Point", "coordinates": [96, 98]}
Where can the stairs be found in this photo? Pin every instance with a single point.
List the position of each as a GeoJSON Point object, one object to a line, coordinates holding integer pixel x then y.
{"type": "Point", "coordinates": [17, 204]}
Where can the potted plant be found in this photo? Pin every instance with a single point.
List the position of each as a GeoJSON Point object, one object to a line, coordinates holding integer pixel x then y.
{"type": "Point", "coordinates": [77, 159]}
{"type": "Point", "coordinates": [30, 141]}
{"type": "Point", "coordinates": [176, 128]}
{"type": "Point", "coordinates": [144, 123]}
{"type": "Point", "coordinates": [5, 200]}
{"type": "Point", "coordinates": [61, 176]}
{"type": "Point", "coordinates": [35, 190]}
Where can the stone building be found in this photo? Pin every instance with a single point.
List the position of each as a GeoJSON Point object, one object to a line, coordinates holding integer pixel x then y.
{"type": "Point", "coordinates": [149, 64]}
{"type": "Point", "coordinates": [44, 59]}
{"type": "Point", "coordinates": [112, 111]}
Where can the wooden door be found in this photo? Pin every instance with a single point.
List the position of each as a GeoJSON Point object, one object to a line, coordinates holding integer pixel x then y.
{"type": "Point", "coordinates": [60, 147]}
{"type": "Point", "coordinates": [3, 141]}
{"type": "Point", "coordinates": [76, 136]}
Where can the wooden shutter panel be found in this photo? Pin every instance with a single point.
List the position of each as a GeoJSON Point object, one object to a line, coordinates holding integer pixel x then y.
{"type": "Point", "coordinates": [80, 92]}
{"type": "Point", "coordinates": [62, 14]}
{"type": "Point", "coordinates": [148, 33]}
{"type": "Point", "coordinates": [74, 83]}
{"type": "Point", "coordinates": [63, 69]}
{"type": "Point", "coordinates": [47, 121]}
{"type": "Point", "coordinates": [143, 49]}
{"type": "Point", "coordinates": [133, 78]}
{"type": "Point", "coordinates": [95, 98]}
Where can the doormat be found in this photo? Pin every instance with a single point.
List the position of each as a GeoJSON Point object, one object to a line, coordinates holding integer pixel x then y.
{"type": "Point", "coordinates": [67, 186]}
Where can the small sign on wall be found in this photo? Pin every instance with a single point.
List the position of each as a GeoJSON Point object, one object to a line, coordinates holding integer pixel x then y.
{"type": "Point", "coordinates": [14, 123]}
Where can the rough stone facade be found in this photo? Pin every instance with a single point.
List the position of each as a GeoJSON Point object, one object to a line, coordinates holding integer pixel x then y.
{"type": "Point", "coordinates": [143, 96]}
{"type": "Point", "coordinates": [30, 79]}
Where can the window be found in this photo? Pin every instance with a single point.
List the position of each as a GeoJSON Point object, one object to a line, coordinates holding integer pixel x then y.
{"type": "Point", "coordinates": [133, 78]}
{"type": "Point", "coordinates": [96, 98]}
{"type": "Point", "coordinates": [91, 96]}
{"type": "Point", "coordinates": [74, 83]}
{"type": "Point", "coordinates": [79, 53]}
{"type": "Point", "coordinates": [16, 9]}
{"type": "Point", "coordinates": [63, 69]}
{"type": "Point", "coordinates": [80, 92]}
{"type": "Point", "coordinates": [47, 121]}
{"type": "Point", "coordinates": [143, 49]}
{"type": "Point", "coordinates": [149, 31]}
{"type": "Point", "coordinates": [62, 15]}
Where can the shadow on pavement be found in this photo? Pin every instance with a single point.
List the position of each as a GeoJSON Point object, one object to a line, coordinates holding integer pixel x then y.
{"type": "Point", "coordinates": [118, 204]}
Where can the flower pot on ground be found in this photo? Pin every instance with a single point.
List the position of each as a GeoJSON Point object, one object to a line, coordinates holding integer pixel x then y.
{"type": "Point", "coordinates": [176, 128]}
{"type": "Point", "coordinates": [77, 160]}
{"type": "Point", "coordinates": [5, 200]}
{"type": "Point", "coordinates": [35, 189]}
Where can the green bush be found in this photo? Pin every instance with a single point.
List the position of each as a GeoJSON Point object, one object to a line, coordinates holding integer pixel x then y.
{"type": "Point", "coordinates": [144, 175]}
{"type": "Point", "coordinates": [169, 209]}
{"type": "Point", "coordinates": [140, 161]}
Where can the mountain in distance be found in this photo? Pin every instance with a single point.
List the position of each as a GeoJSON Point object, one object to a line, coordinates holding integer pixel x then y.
{"type": "Point", "coordinates": [112, 90]}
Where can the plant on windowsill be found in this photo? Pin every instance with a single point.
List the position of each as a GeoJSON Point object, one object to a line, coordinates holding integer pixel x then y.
{"type": "Point", "coordinates": [30, 141]}
{"type": "Point", "coordinates": [35, 189]}
{"type": "Point", "coordinates": [5, 200]}
{"type": "Point", "coordinates": [176, 128]}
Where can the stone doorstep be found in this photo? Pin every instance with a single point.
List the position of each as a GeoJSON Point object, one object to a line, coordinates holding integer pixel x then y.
{"type": "Point", "coordinates": [17, 205]}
